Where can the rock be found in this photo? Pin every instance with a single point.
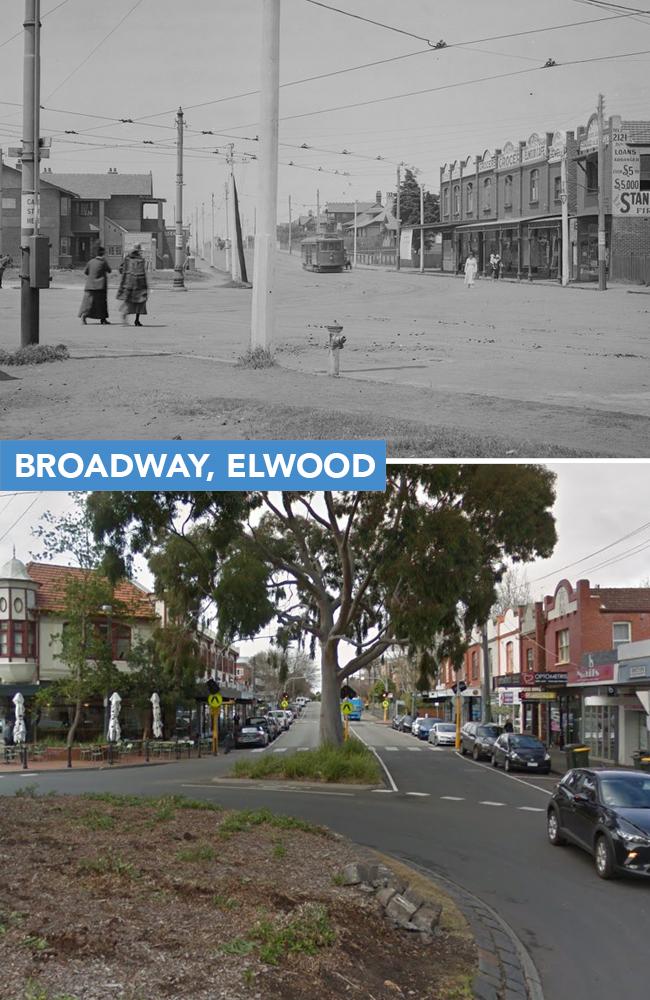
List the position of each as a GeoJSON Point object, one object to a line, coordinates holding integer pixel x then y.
{"type": "Point", "coordinates": [414, 897]}
{"type": "Point", "coordinates": [357, 872]}
{"type": "Point", "coordinates": [427, 918]}
{"type": "Point", "coordinates": [390, 985]}
{"type": "Point", "coordinates": [400, 910]}
{"type": "Point", "coordinates": [385, 895]}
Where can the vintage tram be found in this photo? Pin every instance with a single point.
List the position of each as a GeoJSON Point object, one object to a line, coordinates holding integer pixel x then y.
{"type": "Point", "coordinates": [323, 253]}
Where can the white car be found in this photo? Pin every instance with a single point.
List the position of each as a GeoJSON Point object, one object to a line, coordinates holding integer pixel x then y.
{"type": "Point", "coordinates": [443, 734]}
{"type": "Point", "coordinates": [280, 717]}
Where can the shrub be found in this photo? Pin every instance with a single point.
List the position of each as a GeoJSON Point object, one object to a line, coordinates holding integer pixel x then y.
{"type": "Point", "coordinates": [352, 762]}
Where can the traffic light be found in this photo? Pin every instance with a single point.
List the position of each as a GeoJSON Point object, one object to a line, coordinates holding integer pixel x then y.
{"type": "Point", "coordinates": [460, 687]}
{"type": "Point", "coordinates": [213, 686]}
{"type": "Point", "coordinates": [285, 696]}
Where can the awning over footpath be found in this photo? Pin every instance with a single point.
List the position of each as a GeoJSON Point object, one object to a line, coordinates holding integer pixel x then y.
{"type": "Point", "coordinates": [538, 222]}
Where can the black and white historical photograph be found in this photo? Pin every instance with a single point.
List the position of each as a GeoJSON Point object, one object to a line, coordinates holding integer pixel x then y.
{"type": "Point", "coordinates": [425, 223]}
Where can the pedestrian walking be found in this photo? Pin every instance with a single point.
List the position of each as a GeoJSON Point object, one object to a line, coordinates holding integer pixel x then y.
{"type": "Point", "coordinates": [508, 727]}
{"type": "Point", "coordinates": [471, 268]}
{"type": "Point", "coordinates": [94, 304]}
{"type": "Point", "coordinates": [495, 264]}
{"type": "Point", "coordinates": [134, 290]}
{"type": "Point", "coordinates": [5, 261]}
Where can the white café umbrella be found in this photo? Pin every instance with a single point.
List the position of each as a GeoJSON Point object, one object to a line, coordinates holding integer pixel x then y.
{"type": "Point", "coordinates": [157, 722]}
{"type": "Point", "coordinates": [20, 733]}
{"type": "Point", "coordinates": [114, 731]}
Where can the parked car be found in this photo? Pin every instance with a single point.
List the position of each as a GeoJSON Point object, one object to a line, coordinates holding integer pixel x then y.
{"type": "Point", "coordinates": [606, 813]}
{"type": "Point", "coordinates": [396, 721]}
{"type": "Point", "coordinates": [524, 753]}
{"type": "Point", "coordinates": [443, 734]}
{"type": "Point", "coordinates": [263, 722]}
{"type": "Point", "coordinates": [290, 717]}
{"type": "Point", "coordinates": [280, 717]}
{"type": "Point", "coordinates": [405, 724]}
{"type": "Point", "coordinates": [251, 736]}
{"type": "Point", "coordinates": [478, 738]}
{"type": "Point", "coordinates": [422, 725]}
{"type": "Point", "coordinates": [274, 726]}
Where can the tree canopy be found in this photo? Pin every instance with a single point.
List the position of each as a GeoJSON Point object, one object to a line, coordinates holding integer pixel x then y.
{"type": "Point", "coordinates": [409, 205]}
{"type": "Point", "coordinates": [350, 574]}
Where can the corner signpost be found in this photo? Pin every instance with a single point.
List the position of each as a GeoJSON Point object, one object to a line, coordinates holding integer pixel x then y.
{"type": "Point", "coordinates": [215, 702]}
{"type": "Point", "coordinates": [385, 705]}
{"type": "Point", "coordinates": [346, 708]}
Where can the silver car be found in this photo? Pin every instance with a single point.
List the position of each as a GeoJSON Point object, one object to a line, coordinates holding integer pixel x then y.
{"type": "Point", "coordinates": [443, 734]}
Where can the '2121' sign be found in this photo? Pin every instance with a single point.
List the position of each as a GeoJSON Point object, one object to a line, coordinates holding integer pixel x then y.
{"type": "Point", "coordinates": [627, 196]}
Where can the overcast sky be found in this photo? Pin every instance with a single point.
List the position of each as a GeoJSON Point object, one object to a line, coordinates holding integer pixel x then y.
{"type": "Point", "coordinates": [152, 55]}
{"type": "Point", "coordinates": [597, 504]}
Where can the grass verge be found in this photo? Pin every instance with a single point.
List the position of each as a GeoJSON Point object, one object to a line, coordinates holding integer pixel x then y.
{"type": "Point", "coordinates": [351, 763]}
{"type": "Point", "coordinates": [34, 354]}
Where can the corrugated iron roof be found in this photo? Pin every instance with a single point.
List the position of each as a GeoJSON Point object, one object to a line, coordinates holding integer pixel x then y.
{"type": "Point", "coordinates": [637, 131]}
{"type": "Point", "coordinates": [52, 580]}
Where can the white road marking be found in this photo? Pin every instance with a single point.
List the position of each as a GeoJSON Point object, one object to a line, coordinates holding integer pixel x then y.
{"type": "Point", "coordinates": [487, 803]}
{"type": "Point", "coordinates": [304, 748]}
{"type": "Point", "coordinates": [528, 784]}
{"type": "Point", "coordinates": [453, 798]}
{"type": "Point", "coordinates": [415, 749]}
{"type": "Point", "coordinates": [280, 749]}
{"type": "Point", "coordinates": [391, 748]}
{"type": "Point", "coordinates": [421, 795]}
{"type": "Point", "coordinates": [258, 750]}
{"type": "Point", "coordinates": [531, 809]}
{"type": "Point", "coordinates": [383, 791]}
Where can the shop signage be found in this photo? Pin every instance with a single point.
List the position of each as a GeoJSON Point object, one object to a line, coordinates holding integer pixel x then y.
{"type": "Point", "coordinates": [488, 162]}
{"type": "Point", "coordinates": [627, 196]}
{"type": "Point", "coordinates": [405, 244]}
{"type": "Point", "coordinates": [508, 680]}
{"type": "Point", "coordinates": [557, 148]}
{"type": "Point", "coordinates": [595, 668]}
{"type": "Point", "coordinates": [633, 670]}
{"type": "Point", "coordinates": [537, 695]}
{"type": "Point", "coordinates": [549, 677]}
{"type": "Point", "coordinates": [538, 151]}
{"type": "Point", "coordinates": [506, 697]}
{"type": "Point", "coordinates": [510, 157]}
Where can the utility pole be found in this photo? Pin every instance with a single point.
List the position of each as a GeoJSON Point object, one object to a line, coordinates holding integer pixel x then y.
{"type": "Point", "coordinates": [212, 231]}
{"type": "Point", "coordinates": [262, 317]}
{"type": "Point", "coordinates": [179, 250]}
{"type": "Point", "coordinates": [317, 211]}
{"type": "Point", "coordinates": [354, 249]}
{"type": "Point", "coordinates": [228, 250]}
{"type": "Point", "coordinates": [29, 297]}
{"type": "Point", "coordinates": [1, 169]}
{"type": "Point", "coordinates": [421, 228]}
{"type": "Point", "coordinates": [486, 713]}
{"type": "Point", "coordinates": [398, 234]}
{"type": "Point", "coordinates": [290, 249]}
{"type": "Point", "coordinates": [203, 229]}
{"type": "Point", "coordinates": [566, 249]}
{"type": "Point", "coordinates": [602, 238]}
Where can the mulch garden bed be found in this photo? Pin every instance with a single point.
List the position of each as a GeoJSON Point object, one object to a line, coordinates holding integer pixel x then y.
{"type": "Point", "coordinates": [120, 898]}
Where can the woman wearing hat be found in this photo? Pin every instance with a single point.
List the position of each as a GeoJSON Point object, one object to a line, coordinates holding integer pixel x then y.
{"type": "Point", "coordinates": [133, 290]}
{"type": "Point", "coordinates": [94, 304]}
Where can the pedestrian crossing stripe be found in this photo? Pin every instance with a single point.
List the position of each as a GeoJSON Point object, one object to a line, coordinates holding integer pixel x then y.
{"type": "Point", "coordinates": [530, 809]}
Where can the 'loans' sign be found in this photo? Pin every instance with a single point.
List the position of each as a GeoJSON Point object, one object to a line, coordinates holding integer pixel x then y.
{"type": "Point", "coordinates": [627, 196]}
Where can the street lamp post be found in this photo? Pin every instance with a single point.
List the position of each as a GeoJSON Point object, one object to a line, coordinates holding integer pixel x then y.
{"type": "Point", "coordinates": [107, 609]}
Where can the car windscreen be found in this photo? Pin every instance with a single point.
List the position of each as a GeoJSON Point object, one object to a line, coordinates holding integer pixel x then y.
{"type": "Point", "coordinates": [492, 731]}
{"type": "Point", "coordinates": [525, 742]}
{"type": "Point", "coordinates": [446, 727]}
{"type": "Point", "coordinates": [627, 792]}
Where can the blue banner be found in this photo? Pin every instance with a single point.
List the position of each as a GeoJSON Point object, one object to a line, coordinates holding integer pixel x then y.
{"type": "Point", "coordinates": [192, 465]}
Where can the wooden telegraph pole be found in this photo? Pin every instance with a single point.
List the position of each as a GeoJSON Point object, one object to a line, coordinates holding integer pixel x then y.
{"type": "Point", "coordinates": [262, 316]}
{"type": "Point", "coordinates": [29, 296]}
{"type": "Point", "coordinates": [179, 250]}
{"type": "Point", "coordinates": [602, 236]}
{"type": "Point", "coordinates": [398, 233]}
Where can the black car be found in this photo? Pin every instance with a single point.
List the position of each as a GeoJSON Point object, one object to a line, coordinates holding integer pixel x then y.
{"type": "Point", "coordinates": [396, 721]}
{"type": "Point", "coordinates": [523, 753]}
{"type": "Point", "coordinates": [607, 813]}
{"type": "Point", "coordinates": [405, 724]}
{"type": "Point", "coordinates": [478, 738]}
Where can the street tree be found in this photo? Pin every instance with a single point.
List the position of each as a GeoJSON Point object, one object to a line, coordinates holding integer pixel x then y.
{"type": "Point", "coordinates": [409, 201]}
{"type": "Point", "coordinates": [414, 566]}
{"type": "Point", "coordinates": [169, 663]}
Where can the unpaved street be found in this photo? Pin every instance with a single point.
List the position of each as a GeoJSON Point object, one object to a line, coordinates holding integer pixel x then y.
{"type": "Point", "coordinates": [432, 367]}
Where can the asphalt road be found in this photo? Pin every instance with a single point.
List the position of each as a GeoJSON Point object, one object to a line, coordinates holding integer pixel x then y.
{"type": "Point", "coordinates": [478, 827]}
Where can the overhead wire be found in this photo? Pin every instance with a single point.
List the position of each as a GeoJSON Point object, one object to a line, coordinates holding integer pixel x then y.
{"type": "Point", "coordinates": [596, 552]}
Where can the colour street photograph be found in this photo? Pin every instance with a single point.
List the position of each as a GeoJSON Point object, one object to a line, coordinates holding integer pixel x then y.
{"type": "Point", "coordinates": [286, 218]}
{"type": "Point", "coordinates": [210, 710]}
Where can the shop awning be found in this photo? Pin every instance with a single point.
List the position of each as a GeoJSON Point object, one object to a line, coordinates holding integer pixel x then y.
{"type": "Point", "coordinates": [537, 223]}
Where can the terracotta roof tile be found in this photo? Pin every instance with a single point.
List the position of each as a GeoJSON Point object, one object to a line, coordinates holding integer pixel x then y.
{"type": "Point", "coordinates": [623, 598]}
{"type": "Point", "coordinates": [52, 582]}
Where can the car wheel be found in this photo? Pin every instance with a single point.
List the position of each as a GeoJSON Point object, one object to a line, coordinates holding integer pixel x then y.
{"type": "Point", "coordinates": [553, 829]}
{"type": "Point", "coordinates": [474, 752]}
{"type": "Point", "coordinates": [494, 760]}
{"type": "Point", "coordinates": [506, 765]}
{"type": "Point", "coordinates": [604, 857]}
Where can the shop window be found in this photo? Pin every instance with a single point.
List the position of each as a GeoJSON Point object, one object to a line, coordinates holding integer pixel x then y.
{"type": "Point", "coordinates": [487, 194]}
{"type": "Point", "coordinates": [530, 659]}
{"type": "Point", "coordinates": [510, 654]}
{"type": "Point", "coordinates": [621, 633]}
{"type": "Point", "coordinates": [469, 199]}
{"type": "Point", "coordinates": [557, 188]}
{"type": "Point", "coordinates": [600, 731]}
{"type": "Point", "coordinates": [507, 192]}
{"type": "Point", "coordinates": [457, 200]}
{"type": "Point", "coordinates": [645, 172]}
{"type": "Point", "coordinates": [591, 175]}
{"type": "Point", "coordinates": [563, 646]}
{"type": "Point", "coordinates": [534, 187]}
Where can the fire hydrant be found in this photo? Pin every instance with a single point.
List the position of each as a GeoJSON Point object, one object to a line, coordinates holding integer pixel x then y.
{"type": "Point", "coordinates": [337, 342]}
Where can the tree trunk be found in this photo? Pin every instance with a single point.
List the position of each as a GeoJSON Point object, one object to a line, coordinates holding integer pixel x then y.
{"type": "Point", "coordinates": [75, 722]}
{"type": "Point", "coordinates": [331, 725]}
{"type": "Point", "coordinates": [144, 719]}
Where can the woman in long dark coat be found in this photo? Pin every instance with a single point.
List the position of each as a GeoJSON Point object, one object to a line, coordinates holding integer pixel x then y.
{"type": "Point", "coordinates": [133, 290]}
{"type": "Point", "coordinates": [94, 304]}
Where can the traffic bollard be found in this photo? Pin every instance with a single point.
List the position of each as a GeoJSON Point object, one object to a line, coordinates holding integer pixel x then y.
{"type": "Point", "coordinates": [336, 345]}
{"type": "Point", "coordinates": [69, 764]}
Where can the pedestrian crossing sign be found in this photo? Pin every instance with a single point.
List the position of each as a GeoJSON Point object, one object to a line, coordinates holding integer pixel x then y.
{"type": "Point", "coordinates": [347, 707]}
{"type": "Point", "coordinates": [385, 703]}
{"type": "Point", "coordinates": [284, 704]}
{"type": "Point", "coordinates": [215, 700]}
